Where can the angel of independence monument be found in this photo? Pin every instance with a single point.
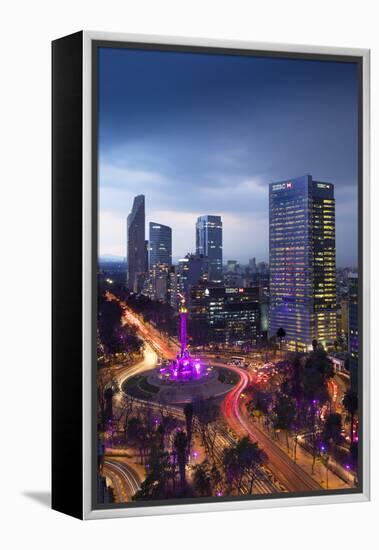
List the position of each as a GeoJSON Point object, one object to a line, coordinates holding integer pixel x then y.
{"type": "Point", "coordinates": [185, 378]}
{"type": "Point", "coordinates": [184, 367]}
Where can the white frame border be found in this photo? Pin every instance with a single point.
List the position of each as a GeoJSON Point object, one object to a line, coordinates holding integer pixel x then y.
{"type": "Point", "coordinates": [88, 512]}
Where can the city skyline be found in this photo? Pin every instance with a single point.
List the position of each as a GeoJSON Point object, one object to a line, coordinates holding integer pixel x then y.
{"type": "Point", "coordinates": [156, 228]}
{"type": "Point", "coordinates": [216, 379]}
{"type": "Point", "coordinates": [224, 147]}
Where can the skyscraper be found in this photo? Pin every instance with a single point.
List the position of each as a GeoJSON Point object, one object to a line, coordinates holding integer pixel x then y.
{"type": "Point", "coordinates": [303, 262]}
{"type": "Point", "coordinates": [209, 244]}
{"type": "Point", "coordinates": [160, 245]}
{"type": "Point", "coordinates": [136, 245]}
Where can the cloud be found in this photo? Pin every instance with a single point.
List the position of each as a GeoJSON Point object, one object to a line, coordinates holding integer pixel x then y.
{"type": "Point", "coordinates": [204, 134]}
{"type": "Point", "coordinates": [112, 233]}
{"type": "Point", "coordinates": [113, 175]}
{"type": "Point", "coordinates": [245, 236]}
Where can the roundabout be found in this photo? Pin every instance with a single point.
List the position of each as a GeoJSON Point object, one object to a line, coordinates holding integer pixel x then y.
{"type": "Point", "coordinates": [182, 379]}
{"type": "Point", "coordinates": [152, 387]}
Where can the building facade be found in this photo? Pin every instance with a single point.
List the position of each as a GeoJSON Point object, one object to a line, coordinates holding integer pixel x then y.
{"type": "Point", "coordinates": [192, 269]}
{"type": "Point", "coordinates": [353, 334]}
{"type": "Point", "coordinates": [343, 324]}
{"type": "Point", "coordinates": [228, 315]}
{"type": "Point", "coordinates": [160, 245]}
{"type": "Point", "coordinates": [209, 244]}
{"type": "Point", "coordinates": [136, 245]}
{"type": "Point", "coordinates": [303, 262]}
{"type": "Point", "coordinates": [174, 287]}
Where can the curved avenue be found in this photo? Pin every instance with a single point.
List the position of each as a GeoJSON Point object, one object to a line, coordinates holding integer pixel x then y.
{"type": "Point", "coordinates": [290, 474]}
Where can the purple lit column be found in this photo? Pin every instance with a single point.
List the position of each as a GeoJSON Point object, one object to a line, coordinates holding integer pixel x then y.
{"type": "Point", "coordinates": [183, 327]}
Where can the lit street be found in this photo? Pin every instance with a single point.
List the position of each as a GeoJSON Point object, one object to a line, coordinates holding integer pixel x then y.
{"type": "Point", "coordinates": [281, 472]}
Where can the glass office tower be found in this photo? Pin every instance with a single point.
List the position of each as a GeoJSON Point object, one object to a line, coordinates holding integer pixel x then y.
{"type": "Point", "coordinates": [209, 244]}
{"type": "Point", "coordinates": [303, 262]}
{"type": "Point", "coordinates": [136, 245]}
{"type": "Point", "coordinates": [160, 244]}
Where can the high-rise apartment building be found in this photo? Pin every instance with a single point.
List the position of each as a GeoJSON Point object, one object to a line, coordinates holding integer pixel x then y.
{"type": "Point", "coordinates": [209, 244]}
{"type": "Point", "coordinates": [136, 245]}
{"type": "Point", "coordinates": [303, 262]}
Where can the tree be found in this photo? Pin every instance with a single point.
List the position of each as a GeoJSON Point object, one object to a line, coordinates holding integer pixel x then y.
{"type": "Point", "coordinates": [232, 471]}
{"type": "Point", "coordinates": [284, 414]}
{"type": "Point", "coordinates": [317, 371]}
{"type": "Point", "coordinates": [206, 412]}
{"type": "Point", "coordinates": [104, 377]}
{"type": "Point", "coordinates": [241, 464]}
{"type": "Point", "coordinates": [108, 399]}
{"type": "Point", "coordinates": [202, 479]}
{"type": "Point", "coordinates": [259, 404]}
{"type": "Point", "coordinates": [159, 313]}
{"type": "Point", "coordinates": [157, 483]}
{"type": "Point", "coordinates": [136, 433]}
{"type": "Point", "coordinates": [180, 444]}
{"type": "Point", "coordinates": [115, 337]}
{"type": "Point", "coordinates": [133, 427]}
{"type": "Point", "coordinates": [109, 320]}
{"type": "Point", "coordinates": [307, 382]}
{"type": "Point", "coordinates": [330, 436]}
{"type": "Point", "coordinates": [167, 426]}
{"type": "Point", "coordinates": [127, 410]}
{"type": "Point", "coordinates": [350, 403]}
{"type": "Point", "coordinates": [332, 429]}
{"type": "Point", "coordinates": [125, 340]}
{"type": "Point", "coordinates": [188, 413]}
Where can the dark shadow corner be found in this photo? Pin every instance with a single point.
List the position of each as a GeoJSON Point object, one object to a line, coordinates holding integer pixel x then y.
{"type": "Point", "coordinates": [41, 497]}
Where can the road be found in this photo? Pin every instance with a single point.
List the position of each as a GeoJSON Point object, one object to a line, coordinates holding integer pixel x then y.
{"type": "Point", "coordinates": [289, 474]}
{"type": "Point", "coordinates": [146, 330]}
{"type": "Point", "coordinates": [124, 478]}
{"type": "Point", "coordinates": [148, 362]}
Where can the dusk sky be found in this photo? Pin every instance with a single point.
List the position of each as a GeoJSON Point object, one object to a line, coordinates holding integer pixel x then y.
{"type": "Point", "coordinates": [205, 134]}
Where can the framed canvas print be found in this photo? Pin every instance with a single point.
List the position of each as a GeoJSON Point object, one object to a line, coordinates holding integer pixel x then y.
{"type": "Point", "coordinates": [210, 275]}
